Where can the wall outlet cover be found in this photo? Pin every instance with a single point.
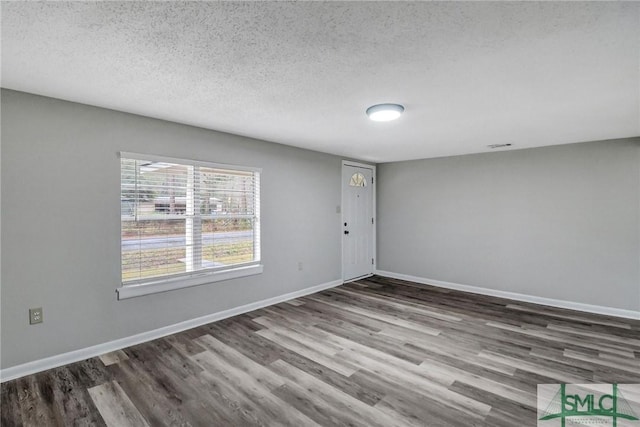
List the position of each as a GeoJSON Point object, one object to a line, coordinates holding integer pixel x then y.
{"type": "Point", "coordinates": [35, 315]}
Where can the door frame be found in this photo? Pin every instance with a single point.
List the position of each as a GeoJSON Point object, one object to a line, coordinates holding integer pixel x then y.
{"type": "Point", "coordinates": [374, 244]}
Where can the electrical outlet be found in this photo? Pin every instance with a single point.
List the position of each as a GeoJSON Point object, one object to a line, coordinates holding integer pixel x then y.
{"type": "Point", "coordinates": [299, 265]}
{"type": "Point", "coordinates": [35, 315]}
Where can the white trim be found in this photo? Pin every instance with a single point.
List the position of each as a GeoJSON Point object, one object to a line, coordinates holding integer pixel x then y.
{"type": "Point", "coordinates": [97, 350]}
{"type": "Point", "coordinates": [182, 161]}
{"type": "Point", "coordinates": [358, 164]}
{"type": "Point", "coordinates": [374, 252]}
{"type": "Point", "coordinates": [180, 282]}
{"type": "Point", "coordinates": [571, 305]}
{"type": "Point", "coordinates": [374, 202]}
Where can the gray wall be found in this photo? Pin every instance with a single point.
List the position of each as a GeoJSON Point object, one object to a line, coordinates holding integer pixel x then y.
{"type": "Point", "coordinates": [61, 223]}
{"type": "Point", "coordinates": [558, 222]}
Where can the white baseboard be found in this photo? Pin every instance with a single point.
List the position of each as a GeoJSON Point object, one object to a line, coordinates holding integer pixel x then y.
{"type": "Point", "coordinates": [596, 309]}
{"type": "Point", "coordinates": [99, 349]}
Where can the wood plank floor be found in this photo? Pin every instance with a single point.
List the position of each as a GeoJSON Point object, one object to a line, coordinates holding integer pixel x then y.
{"type": "Point", "coordinates": [377, 352]}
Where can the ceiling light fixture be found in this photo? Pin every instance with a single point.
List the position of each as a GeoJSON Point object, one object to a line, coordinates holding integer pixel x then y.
{"type": "Point", "coordinates": [384, 112]}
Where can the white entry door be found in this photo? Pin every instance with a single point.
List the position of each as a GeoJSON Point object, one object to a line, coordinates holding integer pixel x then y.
{"type": "Point", "coordinates": [357, 221]}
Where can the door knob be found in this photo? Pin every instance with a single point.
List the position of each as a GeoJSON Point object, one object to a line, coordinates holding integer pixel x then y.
{"type": "Point", "coordinates": [346, 231]}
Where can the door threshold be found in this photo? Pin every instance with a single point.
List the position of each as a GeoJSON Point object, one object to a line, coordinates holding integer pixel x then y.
{"type": "Point", "coordinates": [358, 278]}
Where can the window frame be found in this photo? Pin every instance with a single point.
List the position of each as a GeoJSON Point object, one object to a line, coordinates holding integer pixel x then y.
{"type": "Point", "coordinates": [146, 286]}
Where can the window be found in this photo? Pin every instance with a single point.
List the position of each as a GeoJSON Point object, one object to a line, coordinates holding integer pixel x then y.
{"type": "Point", "coordinates": [358, 180]}
{"type": "Point", "coordinates": [185, 223]}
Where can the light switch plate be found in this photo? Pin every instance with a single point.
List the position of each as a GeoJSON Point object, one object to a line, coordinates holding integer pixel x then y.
{"type": "Point", "coordinates": [35, 315]}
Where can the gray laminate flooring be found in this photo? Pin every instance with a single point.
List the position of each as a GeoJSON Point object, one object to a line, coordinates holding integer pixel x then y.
{"type": "Point", "coordinates": [376, 352]}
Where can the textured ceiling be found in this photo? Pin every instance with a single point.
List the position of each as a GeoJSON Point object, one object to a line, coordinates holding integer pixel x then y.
{"type": "Point", "coordinates": [469, 74]}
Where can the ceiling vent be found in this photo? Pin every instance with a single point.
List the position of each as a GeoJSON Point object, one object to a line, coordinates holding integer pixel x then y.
{"type": "Point", "coordinates": [492, 146]}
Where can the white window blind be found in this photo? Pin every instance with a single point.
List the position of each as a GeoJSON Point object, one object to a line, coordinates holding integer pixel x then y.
{"type": "Point", "coordinates": [182, 218]}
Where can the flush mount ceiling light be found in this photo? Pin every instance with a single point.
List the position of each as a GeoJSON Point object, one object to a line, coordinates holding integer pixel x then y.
{"type": "Point", "coordinates": [384, 112]}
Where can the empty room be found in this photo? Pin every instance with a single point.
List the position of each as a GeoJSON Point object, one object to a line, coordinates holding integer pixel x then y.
{"type": "Point", "coordinates": [320, 214]}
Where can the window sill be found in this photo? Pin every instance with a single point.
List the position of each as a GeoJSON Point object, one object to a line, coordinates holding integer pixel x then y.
{"type": "Point", "coordinates": [132, 291]}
